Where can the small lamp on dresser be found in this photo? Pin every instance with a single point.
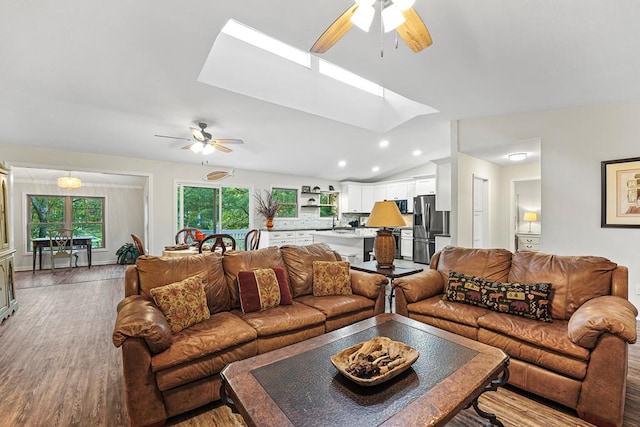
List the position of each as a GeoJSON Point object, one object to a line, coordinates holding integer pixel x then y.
{"type": "Point", "coordinates": [531, 217]}
{"type": "Point", "coordinates": [385, 214]}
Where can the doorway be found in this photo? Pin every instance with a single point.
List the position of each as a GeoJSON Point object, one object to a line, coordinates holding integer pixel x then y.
{"type": "Point", "coordinates": [480, 227]}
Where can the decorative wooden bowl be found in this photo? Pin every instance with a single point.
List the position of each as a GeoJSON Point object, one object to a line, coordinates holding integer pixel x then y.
{"type": "Point", "coordinates": [375, 361]}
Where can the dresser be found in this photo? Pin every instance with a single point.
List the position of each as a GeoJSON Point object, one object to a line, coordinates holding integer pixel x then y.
{"type": "Point", "coordinates": [8, 303]}
{"type": "Point", "coordinates": [527, 242]}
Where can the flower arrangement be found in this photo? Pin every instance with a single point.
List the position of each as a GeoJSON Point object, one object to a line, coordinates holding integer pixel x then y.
{"type": "Point", "coordinates": [267, 206]}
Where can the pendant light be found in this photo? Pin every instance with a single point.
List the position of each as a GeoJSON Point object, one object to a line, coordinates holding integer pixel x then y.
{"type": "Point", "coordinates": [69, 182]}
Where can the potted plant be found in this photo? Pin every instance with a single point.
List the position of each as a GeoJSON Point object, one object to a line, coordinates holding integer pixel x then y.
{"type": "Point", "coordinates": [267, 207]}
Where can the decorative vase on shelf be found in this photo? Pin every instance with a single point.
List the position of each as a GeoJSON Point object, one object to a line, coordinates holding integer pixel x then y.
{"type": "Point", "coordinates": [269, 223]}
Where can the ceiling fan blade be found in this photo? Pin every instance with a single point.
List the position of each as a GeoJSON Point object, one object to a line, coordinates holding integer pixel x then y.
{"type": "Point", "coordinates": [227, 141]}
{"type": "Point", "coordinates": [335, 31]}
{"type": "Point", "coordinates": [197, 134]}
{"type": "Point", "coordinates": [173, 137]}
{"type": "Point", "coordinates": [188, 146]}
{"type": "Point", "coordinates": [222, 148]}
{"type": "Point", "coordinates": [216, 175]}
{"type": "Point", "coordinates": [414, 32]}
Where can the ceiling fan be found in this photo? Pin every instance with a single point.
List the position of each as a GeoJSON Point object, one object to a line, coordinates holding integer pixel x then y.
{"type": "Point", "coordinates": [204, 143]}
{"type": "Point", "coordinates": [218, 175]}
{"type": "Point", "coordinates": [396, 15]}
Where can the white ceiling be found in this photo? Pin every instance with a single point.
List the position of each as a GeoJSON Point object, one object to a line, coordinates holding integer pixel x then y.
{"type": "Point", "coordinates": [104, 77]}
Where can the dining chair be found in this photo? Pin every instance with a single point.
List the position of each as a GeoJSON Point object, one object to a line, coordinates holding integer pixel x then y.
{"type": "Point", "coordinates": [138, 244]}
{"type": "Point", "coordinates": [61, 246]}
{"type": "Point", "coordinates": [187, 236]}
{"type": "Point", "coordinates": [252, 240]}
{"type": "Point", "coordinates": [222, 241]}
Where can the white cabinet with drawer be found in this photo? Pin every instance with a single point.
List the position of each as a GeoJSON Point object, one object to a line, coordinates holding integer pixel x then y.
{"type": "Point", "coordinates": [304, 237]}
{"type": "Point", "coordinates": [406, 244]}
{"type": "Point", "coordinates": [528, 242]}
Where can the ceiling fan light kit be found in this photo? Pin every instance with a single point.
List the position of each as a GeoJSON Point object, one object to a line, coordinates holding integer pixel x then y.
{"type": "Point", "coordinates": [392, 17]}
{"type": "Point", "coordinates": [363, 17]}
{"type": "Point", "coordinates": [203, 141]}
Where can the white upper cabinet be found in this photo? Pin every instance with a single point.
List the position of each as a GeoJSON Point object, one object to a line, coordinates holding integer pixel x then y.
{"type": "Point", "coordinates": [353, 199]}
{"type": "Point", "coordinates": [367, 198]}
{"type": "Point", "coordinates": [379, 192]}
{"type": "Point", "coordinates": [425, 186]}
{"type": "Point", "coordinates": [397, 191]}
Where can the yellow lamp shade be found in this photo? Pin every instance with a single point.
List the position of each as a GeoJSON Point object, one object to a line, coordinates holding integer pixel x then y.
{"type": "Point", "coordinates": [530, 216]}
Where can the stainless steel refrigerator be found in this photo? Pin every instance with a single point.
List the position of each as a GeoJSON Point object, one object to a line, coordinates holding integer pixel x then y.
{"type": "Point", "coordinates": [427, 222]}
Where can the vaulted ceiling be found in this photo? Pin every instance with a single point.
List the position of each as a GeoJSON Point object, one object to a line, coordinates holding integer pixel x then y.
{"type": "Point", "coordinates": [104, 77]}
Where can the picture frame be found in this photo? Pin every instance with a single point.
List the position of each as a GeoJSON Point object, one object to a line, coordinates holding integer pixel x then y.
{"type": "Point", "coordinates": [620, 193]}
{"type": "Point", "coordinates": [306, 189]}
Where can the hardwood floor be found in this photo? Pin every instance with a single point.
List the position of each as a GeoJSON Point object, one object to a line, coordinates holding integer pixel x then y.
{"type": "Point", "coordinates": [58, 366]}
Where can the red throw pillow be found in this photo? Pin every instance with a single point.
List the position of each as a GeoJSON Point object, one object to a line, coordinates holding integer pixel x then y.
{"type": "Point", "coordinates": [264, 288]}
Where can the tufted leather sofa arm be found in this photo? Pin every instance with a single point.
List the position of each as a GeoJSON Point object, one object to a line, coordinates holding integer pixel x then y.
{"type": "Point", "coordinates": [139, 317]}
{"type": "Point", "coordinates": [603, 314]}
{"type": "Point", "coordinates": [367, 284]}
{"type": "Point", "coordinates": [419, 286]}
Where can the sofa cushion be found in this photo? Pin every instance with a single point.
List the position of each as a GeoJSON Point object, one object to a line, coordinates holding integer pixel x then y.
{"type": "Point", "coordinates": [156, 271]}
{"type": "Point", "coordinates": [218, 333]}
{"type": "Point", "coordinates": [236, 261]}
{"type": "Point", "coordinates": [337, 305]}
{"type": "Point", "coordinates": [331, 278]}
{"type": "Point", "coordinates": [575, 279]}
{"type": "Point", "coordinates": [282, 319]}
{"type": "Point", "coordinates": [491, 264]}
{"type": "Point", "coordinates": [263, 288]}
{"type": "Point", "coordinates": [299, 261]}
{"type": "Point", "coordinates": [452, 311]}
{"type": "Point", "coordinates": [183, 303]}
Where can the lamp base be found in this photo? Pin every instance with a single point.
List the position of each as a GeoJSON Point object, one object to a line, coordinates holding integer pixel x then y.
{"type": "Point", "coordinates": [384, 249]}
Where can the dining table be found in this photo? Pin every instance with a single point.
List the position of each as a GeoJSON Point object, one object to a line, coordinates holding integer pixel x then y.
{"type": "Point", "coordinates": [191, 250]}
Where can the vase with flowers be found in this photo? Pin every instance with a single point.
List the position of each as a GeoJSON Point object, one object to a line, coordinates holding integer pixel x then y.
{"type": "Point", "coordinates": [267, 206]}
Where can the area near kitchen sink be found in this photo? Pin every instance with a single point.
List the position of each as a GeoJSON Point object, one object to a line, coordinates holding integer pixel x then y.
{"type": "Point", "coordinates": [353, 244]}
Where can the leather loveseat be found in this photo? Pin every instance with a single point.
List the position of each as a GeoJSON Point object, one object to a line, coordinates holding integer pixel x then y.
{"type": "Point", "coordinates": [167, 373]}
{"type": "Point", "coordinates": [577, 358]}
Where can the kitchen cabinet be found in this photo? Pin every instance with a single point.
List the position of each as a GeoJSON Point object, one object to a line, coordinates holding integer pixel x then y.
{"type": "Point", "coordinates": [397, 191]}
{"type": "Point", "coordinates": [8, 302]}
{"type": "Point", "coordinates": [367, 198]}
{"type": "Point", "coordinates": [379, 192]}
{"type": "Point", "coordinates": [286, 237]}
{"type": "Point", "coordinates": [353, 198]}
{"type": "Point", "coordinates": [425, 186]}
{"type": "Point", "coordinates": [411, 193]}
{"type": "Point", "coordinates": [406, 244]}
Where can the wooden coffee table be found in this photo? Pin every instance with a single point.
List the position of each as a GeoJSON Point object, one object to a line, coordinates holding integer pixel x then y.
{"type": "Point", "coordinates": [298, 386]}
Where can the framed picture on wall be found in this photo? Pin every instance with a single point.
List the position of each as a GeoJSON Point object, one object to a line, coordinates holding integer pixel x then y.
{"type": "Point", "coordinates": [620, 193]}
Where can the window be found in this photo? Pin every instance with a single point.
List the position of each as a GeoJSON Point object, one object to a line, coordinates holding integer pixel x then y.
{"type": "Point", "coordinates": [328, 205]}
{"type": "Point", "coordinates": [214, 210]}
{"type": "Point", "coordinates": [288, 199]}
{"type": "Point", "coordinates": [84, 215]}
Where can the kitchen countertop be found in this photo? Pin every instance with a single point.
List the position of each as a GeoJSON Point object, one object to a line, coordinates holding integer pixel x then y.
{"type": "Point", "coordinates": [360, 233]}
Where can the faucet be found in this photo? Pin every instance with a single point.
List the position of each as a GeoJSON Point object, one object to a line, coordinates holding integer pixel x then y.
{"type": "Point", "coordinates": [333, 222]}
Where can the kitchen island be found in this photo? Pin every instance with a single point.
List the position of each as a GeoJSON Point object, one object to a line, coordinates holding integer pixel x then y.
{"type": "Point", "coordinates": [353, 244]}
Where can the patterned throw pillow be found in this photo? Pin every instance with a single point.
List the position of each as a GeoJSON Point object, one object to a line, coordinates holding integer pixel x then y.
{"type": "Point", "coordinates": [331, 278]}
{"type": "Point", "coordinates": [530, 300]}
{"type": "Point", "coordinates": [183, 303]}
{"type": "Point", "coordinates": [263, 288]}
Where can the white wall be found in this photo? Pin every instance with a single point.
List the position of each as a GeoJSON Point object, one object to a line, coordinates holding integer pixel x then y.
{"type": "Point", "coordinates": [574, 142]}
{"type": "Point", "coordinates": [162, 184]}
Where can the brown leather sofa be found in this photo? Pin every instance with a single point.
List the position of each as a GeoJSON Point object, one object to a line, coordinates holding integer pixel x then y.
{"type": "Point", "coordinates": [167, 374]}
{"type": "Point", "coordinates": [578, 360]}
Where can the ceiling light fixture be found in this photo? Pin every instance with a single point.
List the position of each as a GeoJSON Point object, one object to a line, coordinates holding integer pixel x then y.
{"type": "Point", "coordinates": [342, 163]}
{"type": "Point", "coordinates": [392, 17]}
{"type": "Point", "coordinates": [516, 157]}
{"type": "Point", "coordinates": [417, 152]}
{"type": "Point", "coordinates": [384, 143]}
{"type": "Point", "coordinates": [69, 182]}
{"type": "Point", "coordinates": [375, 169]}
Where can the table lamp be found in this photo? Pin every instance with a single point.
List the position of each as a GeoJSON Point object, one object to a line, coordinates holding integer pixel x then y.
{"type": "Point", "coordinates": [385, 214]}
{"type": "Point", "coordinates": [531, 217]}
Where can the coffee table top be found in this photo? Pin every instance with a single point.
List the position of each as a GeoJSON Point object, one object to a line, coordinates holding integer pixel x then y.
{"type": "Point", "coordinates": [400, 268]}
{"type": "Point", "coordinates": [298, 386]}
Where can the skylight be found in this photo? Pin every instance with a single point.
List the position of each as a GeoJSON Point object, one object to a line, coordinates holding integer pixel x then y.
{"type": "Point", "coordinates": [263, 41]}
{"type": "Point", "coordinates": [340, 74]}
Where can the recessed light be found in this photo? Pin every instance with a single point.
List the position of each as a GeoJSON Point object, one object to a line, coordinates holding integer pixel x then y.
{"type": "Point", "coordinates": [417, 152]}
{"type": "Point", "coordinates": [384, 143]}
{"type": "Point", "coordinates": [515, 157]}
{"type": "Point", "coordinates": [375, 168]}
{"type": "Point", "coordinates": [342, 163]}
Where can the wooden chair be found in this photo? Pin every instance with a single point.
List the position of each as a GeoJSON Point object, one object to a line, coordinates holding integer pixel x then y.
{"type": "Point", "coordinates": [61, 246]}
{"type": "Point", "coordinates": [138, 243]}
{"type": "Point", "coordinates": [252, 240]}
{"type": "Point", "coordinates": [187, 236]}
{"type": "Point", "coordinates": [222, 241]}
